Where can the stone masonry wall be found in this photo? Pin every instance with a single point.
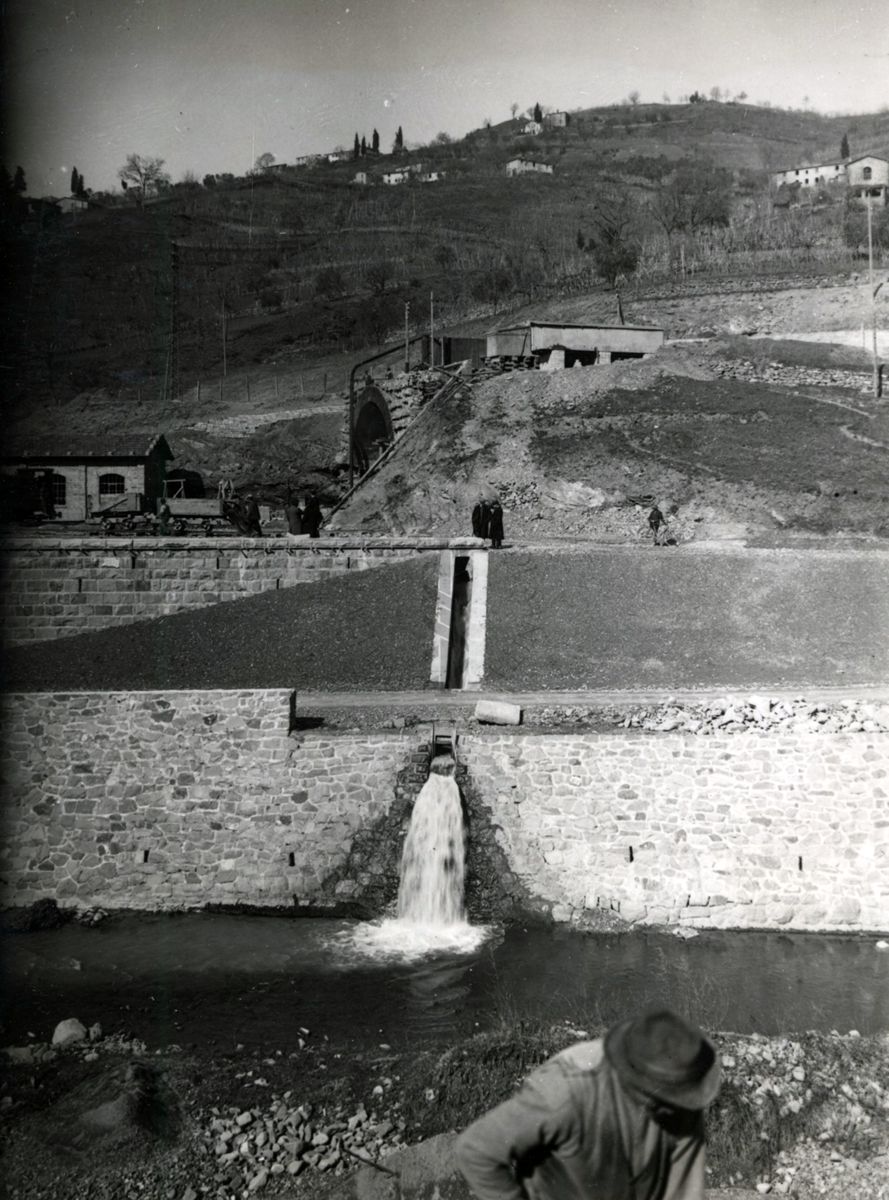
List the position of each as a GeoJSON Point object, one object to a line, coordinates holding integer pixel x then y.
{"type": "Point", "coordinates": [168, 800]}
{"type": "Point", "coordinates": [62, 586]}
{"type": "Point", "coordinates": [753, 830]}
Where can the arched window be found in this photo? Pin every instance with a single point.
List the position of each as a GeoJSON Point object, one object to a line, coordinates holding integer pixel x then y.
{"type": "Point", "coordinates": [111, 485]}
{"type": "Point", "coordinates": [867, 173]}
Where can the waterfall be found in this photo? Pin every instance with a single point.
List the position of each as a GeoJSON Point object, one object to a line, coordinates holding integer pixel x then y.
{"type": "Point", "coordinates": [430, 918]}
{"type": "Point", "coordinates": [431, 888]}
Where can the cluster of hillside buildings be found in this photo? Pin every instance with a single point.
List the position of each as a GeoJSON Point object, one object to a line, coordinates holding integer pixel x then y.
{"type": "Point", "coordinates": [866, 177]}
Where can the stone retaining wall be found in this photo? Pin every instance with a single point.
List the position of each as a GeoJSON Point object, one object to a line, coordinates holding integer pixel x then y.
{"type": "Point", "coordinates": [751, 830]}
{"type": "Point", "coordinates": [165, 800]}
{"type": "Point", "coordinates": [56, 587]}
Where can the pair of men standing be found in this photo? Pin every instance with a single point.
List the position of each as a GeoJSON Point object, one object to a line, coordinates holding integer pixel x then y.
{"type": "Point", "coordinates": [487, 521]}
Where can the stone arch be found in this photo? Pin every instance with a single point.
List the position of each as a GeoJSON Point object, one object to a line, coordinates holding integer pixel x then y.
{"type": "Point", "coordinates": [372, 429]}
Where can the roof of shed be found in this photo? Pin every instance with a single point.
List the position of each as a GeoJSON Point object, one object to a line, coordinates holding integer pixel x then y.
{"type": "Point", "coordinates": [52, 446]}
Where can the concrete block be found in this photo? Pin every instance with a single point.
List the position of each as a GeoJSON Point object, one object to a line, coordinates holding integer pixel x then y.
{"type": "Point", "coordinates": [498, 712]}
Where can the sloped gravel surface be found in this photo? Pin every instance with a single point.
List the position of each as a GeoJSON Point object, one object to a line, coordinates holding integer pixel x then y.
{"type": "Point", "coordinates": [369, 630]}
{"type": "Point", "coordinates": [670, 617]}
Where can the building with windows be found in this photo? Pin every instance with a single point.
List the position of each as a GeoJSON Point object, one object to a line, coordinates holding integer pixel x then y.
{"type": "Point", "coordinates": [555, 120]}
{"type": "Point", "coordinates": [813, 175]}
{"type": "Point", "coordinates": [89, 476]}
{"type": "Point", "coordinates": [868, 177]}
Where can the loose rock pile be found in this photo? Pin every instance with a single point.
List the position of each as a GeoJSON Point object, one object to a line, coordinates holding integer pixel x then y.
{"type": "Point", "coordinates": [251, 1145]}
{"type": "Point", "coordinates": [841, 1103]}
{"type": "Point", "coordinates": [755, 714]}
{"type": "Point", "coordinates": [790, 376]}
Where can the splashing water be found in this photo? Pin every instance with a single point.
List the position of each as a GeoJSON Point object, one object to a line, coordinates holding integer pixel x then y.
{"type": "Point", "coordinates": [430, 895]}
{"type": "Point", "coordinates": [431, 889]}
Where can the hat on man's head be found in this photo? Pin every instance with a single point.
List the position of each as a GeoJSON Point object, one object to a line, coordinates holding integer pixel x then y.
{"type": "Point", "coordinates": [662, 1055]}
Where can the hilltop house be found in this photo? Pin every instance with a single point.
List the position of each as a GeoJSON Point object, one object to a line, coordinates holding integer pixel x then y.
{"type": "Point", "coordinates": [524, 166]}
{"type": "Point", "coordinates": [532, 127]}
{"type": "Point", "coordinates": [93, 475]}
{"type": "Point", "coordinates": [868, 176]}
{"type": "Point", "coordinates": [556, 120]}
{"type": "Point", "coordinates": [360, 177]}
{"type": "Point", "coordinates": [306, 160]}
{"type": "Point", "coordinates": [73, 204]}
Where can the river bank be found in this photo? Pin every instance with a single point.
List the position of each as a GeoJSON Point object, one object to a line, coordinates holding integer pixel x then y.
{"type": "Point", "coordinates": [111, 1117]}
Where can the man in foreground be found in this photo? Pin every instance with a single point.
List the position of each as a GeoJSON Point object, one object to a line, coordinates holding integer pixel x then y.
{"type": "Point", "coordinates": [618, 1118]}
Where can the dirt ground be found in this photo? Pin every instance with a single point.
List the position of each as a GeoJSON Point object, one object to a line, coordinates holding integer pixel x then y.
{"type": "Point", "coordinates": [283, 424]}
{"type": "Point", "coordinates": [733, 438]}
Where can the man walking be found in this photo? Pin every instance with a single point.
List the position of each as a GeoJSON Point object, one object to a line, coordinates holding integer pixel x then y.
{"type": "Point", "coordinates": [618, 1118]}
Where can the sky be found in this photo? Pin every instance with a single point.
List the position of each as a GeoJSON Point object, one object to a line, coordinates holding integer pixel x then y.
{"type": "Point", "coordinates": [208, 85]}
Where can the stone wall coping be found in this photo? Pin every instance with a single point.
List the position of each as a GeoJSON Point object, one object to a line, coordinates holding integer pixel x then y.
{"type": "Point", "coordinates": [221, 544]}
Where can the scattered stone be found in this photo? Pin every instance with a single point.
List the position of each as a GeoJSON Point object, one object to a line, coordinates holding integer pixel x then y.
{"type": "Point", "coordinates": [498, 712]}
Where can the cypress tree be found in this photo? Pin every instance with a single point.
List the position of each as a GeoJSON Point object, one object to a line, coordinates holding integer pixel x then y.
{"type": "Point", "coordinates": [375, 142]}
{"type": "Point", "coordinates": [844, 146]}
{"type": "Point", "coordinates": [356, 149]}
{"type": "Point", "coordinates": [74, 179]}
{"type": "Point", "coordinates": [538, 115]}
{"type": "Point", "coordinates": [363, 147]}
{"type": "Point", "coordinates": [18, 183]}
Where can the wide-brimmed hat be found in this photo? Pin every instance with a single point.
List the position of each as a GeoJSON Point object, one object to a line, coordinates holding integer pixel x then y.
{"type": "Point", "coordinates": [662, 1055]}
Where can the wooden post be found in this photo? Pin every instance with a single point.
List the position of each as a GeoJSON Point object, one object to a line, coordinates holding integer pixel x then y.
{"type": "Point", "coordinates": [199, 391]}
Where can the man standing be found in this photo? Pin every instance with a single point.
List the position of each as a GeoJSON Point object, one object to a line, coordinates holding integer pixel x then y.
{"type": "Point", "coordinates": [480, 517]}
{"type": "Point", "coordinates": [312, 515]}
{"type": "Point", "coordinates": [655, 521]}
{"type": "Point", "coordinates": [252, 516]}
{"type": "Point", "coordinates": [495, 525]}
{"type": "Point", "coordinates": [618, 1118]}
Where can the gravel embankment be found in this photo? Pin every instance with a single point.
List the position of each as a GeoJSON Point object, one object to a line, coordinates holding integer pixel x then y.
{"type": "Point", "coordinates": [370, 630]}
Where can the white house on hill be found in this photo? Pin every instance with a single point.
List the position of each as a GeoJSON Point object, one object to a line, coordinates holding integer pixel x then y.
{"type": "Point", "coordinates": [524, 166]}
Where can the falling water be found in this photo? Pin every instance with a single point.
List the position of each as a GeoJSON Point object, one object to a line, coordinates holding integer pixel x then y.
{"type": "Point", "coordinates": [431, 888]}
{"type": "Point", "coordinates": [430, 895]}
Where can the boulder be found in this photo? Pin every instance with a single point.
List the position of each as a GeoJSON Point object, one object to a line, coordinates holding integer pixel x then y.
{"type": "Point", "coordinates": [67, 1032]}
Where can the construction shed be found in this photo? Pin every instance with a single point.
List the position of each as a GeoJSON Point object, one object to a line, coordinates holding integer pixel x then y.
{"type": "Point", "coordinates": [584, 344]}
{"type": "Point", "coordinates": [84, 477]}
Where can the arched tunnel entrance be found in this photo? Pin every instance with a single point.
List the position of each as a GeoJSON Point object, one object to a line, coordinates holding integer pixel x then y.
{"type": "Point", "coordinates": [372, 431]}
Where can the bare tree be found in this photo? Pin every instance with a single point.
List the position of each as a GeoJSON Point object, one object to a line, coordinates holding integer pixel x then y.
{"type": "Point", "coordinates": [633, 98]}
{"type": "Point", "coordinates": [263, 162]}
{"type": "Point", "coordinates": [514, 108]}
{"type": "Point", "coordinates": [143, 175]}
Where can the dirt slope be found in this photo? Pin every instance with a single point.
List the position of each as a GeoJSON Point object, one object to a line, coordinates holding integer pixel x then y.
{"type": "Point", "coordinates": [702, 428]}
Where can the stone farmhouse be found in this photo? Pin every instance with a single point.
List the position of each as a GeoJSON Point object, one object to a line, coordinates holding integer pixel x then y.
{"type": "Point", "coordinates": [865, 176]}
{"type": "Point", "coordinates": [93, 475]}
{"type": "Point", "coordinates": [556, 120]}
{"type": "Point", "coordinates": [524, 166]}
{"type": "Point", "coordinates": [532, 127]}
{"type": "Point", "coordinates": [868, 176]}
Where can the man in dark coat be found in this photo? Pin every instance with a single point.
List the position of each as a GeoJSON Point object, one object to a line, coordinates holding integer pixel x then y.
{"type": "Point", "coordinates": [480, 517]}
{"type": "Point", "coordinates": [495, 525]}
{"type": "Point", "coordinates": [618, 1118]}
{"type": "Point", "coordinates": [251, 517]}
{"type": "Point", "coordinates": [294, 515]}
{"type": "Point", "coordinates": [312, 515]}
{"type": "Point", "coordinates": [655, 521]}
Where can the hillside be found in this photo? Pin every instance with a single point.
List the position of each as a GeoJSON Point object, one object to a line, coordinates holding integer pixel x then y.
{"type": "Point", "coordinates": [303, 263]}
{"type": "Point", "coordinates": [720, 432]}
